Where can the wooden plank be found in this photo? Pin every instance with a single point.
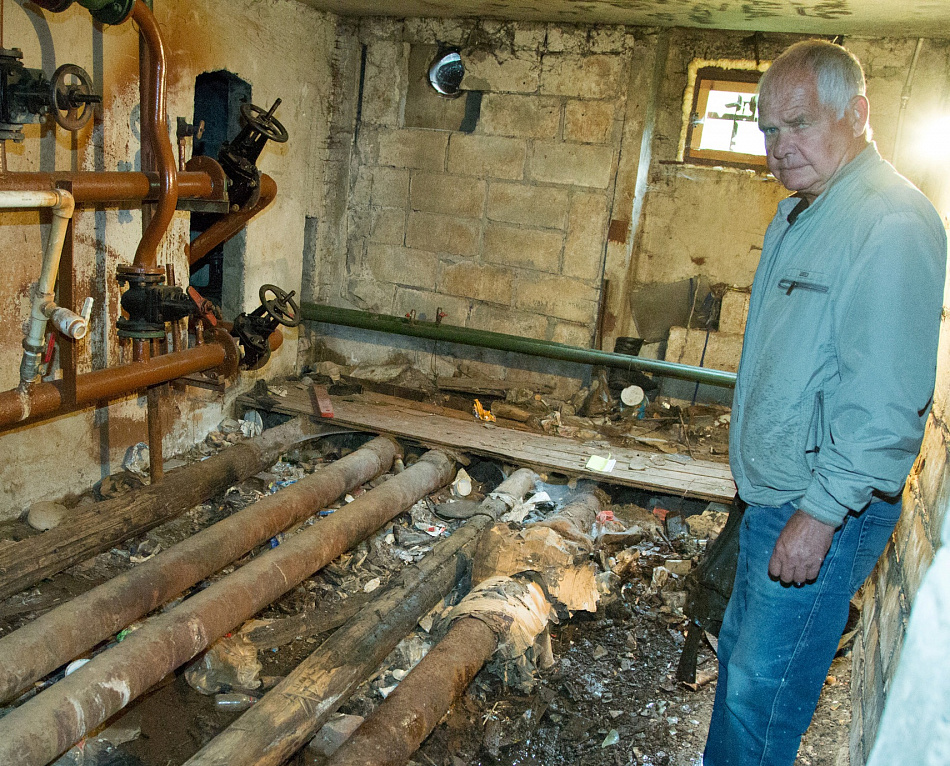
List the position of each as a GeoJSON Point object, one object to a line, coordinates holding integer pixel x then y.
{"type": "Point", "coordinates": [670, 474]}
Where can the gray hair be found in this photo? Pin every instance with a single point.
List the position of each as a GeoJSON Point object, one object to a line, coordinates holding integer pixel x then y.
{"type": "Point", "coordinates": [838, 72]}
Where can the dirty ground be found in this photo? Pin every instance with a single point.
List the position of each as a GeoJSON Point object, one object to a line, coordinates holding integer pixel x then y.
{"type": "Point", "coordinates": [610, 697]}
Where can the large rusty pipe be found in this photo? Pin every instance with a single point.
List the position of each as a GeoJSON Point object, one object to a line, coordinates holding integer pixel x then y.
{"type": "Point", "coordinates": [154, 127]}
{"type": "Point", "coordinates": [112, 186]}
{"type": "Point", "coordinates": [279, 724]}
{"type": "Point", "coordinates": [222, 230]}
{"type": "Point", "coordinates": [47, 398]}
{"type": "Point", "coordinates": [405, 718]}
{"type": "Point", "coordinates": [47, 725]}
{"type": "Point", "coordinates": [96, 528]}
{"type": "Point", "coordinates": [63, 633]}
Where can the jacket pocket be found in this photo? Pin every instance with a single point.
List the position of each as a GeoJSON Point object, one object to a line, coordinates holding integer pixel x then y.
{"type": "Point", "coordinates": [802, 279]}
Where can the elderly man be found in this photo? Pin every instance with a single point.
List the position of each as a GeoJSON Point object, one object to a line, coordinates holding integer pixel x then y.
{"type": "Point", "coordinates": [834, 387]}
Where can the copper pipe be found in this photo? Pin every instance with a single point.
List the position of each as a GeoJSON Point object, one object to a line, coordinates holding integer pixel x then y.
{"type": "Point", "coordinates": [69, 630]}
{"type": "Point", "coordinates": [225, 228]}
{"type": "Point", "coordinates": [154, 127]}
{"type": "Point", "coordinates": [112, 186]}
{"type": "Point", "coordinates": [47, 398]}
{"type": "Point", "coordinates": [44, 727]}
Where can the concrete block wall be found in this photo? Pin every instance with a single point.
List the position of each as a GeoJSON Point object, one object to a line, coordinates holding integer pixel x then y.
{"type": "Point", "coordinates": [503, 228]}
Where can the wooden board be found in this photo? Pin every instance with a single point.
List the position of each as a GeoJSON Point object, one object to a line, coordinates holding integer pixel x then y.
{"type": "Point", "coordinates": [670, 474]}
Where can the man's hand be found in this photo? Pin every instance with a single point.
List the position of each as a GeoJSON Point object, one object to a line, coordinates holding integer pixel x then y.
{"type": "Point", "coordinates": [800, 549]}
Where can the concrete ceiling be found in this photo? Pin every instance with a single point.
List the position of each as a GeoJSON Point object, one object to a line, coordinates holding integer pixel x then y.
{"type": "Point", "coordinates": [875, 18]}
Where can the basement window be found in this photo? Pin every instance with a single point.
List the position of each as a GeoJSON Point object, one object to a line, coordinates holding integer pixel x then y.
{"type": "Point", "coordinates": [721, 126]}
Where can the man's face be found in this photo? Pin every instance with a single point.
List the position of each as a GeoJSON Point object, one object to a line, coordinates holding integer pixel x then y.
{"type": "Point", "coordinates": [805, 141]}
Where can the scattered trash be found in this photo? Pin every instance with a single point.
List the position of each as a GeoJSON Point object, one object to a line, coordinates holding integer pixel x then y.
{"type": "Point", "coordinates": [482, 414]}
{"type": "Point", "coordinates": [46, 515]}
{"type": "Point", "coordinates": [252, 424]}
{"type": "Point", "coordinates": [230, 663]}
{"type": "Point", "coordinates": [602, 464]}
{"type": "Point", "coordinates": [462, 486]}
{"type": "Point", "coordinates": [137, 459]}
{"type": "Point", "coordinates": [234, 701]}
{"type": "Point", "coordinates": [612, 738]}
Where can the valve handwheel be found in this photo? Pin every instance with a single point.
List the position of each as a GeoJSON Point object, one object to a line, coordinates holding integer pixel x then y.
{"type": "Point", "coordinates": [264, 122]}
{"type": "Point", "coordinates": [281, 308]}
{"type": "Point", "coordinates": [71, 97]}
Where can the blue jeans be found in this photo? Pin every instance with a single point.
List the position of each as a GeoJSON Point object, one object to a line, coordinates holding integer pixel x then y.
{"type": "Point", "coordinates": [777, 642]}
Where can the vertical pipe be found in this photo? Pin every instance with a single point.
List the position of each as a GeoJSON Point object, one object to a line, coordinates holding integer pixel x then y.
{"type": "Point", "coordinates": [156, 461]}
{"type": "Point", "coordinates": [155, 128]}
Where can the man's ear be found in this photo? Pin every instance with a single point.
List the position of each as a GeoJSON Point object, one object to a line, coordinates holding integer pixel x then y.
{"type": "Point", "coordinates": [857, 112]}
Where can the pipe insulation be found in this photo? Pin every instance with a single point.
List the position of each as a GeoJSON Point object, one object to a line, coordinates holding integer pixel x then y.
{"type": "Point", "coordinates": [67, 631]}
{"type": "Point", "coordinates": [51, 722]}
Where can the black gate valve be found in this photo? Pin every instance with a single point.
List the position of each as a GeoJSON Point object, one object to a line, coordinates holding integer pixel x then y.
{"type": "Point", "coordinates": [253, 330]}
{"type": "Point", "coordinates": [150, 304]}
{"type": "Point", "coordinates": [239, 157]}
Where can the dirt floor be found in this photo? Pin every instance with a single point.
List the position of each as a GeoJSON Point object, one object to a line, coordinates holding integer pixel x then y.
{"type": "Point", "coordinates": [610, 697]}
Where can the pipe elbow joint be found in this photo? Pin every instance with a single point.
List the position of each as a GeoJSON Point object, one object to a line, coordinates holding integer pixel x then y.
{"type": "Point", "coordinates": [65, 204]}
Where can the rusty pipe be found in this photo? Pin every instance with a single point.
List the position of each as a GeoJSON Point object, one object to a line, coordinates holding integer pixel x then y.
{"type": "Point", "coordinates": [225, 228]}
{"type": "Point", "coordinates": [67, 631]}
{"type": "Point", "coordinates": [154, 127]}
{"type": "Point", "coordinates": [276, 727]}
{"type": "Point", "coordinates": [47, 725]}
{"type": "Point", "coordinates": [48, 398]}
{"type": "Point", "coordinates": [405, 718]}
{"type": "Point", "coordinates": [113, 186]}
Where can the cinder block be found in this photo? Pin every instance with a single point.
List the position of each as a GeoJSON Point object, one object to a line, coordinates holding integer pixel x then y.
{"type": "Point", "coordinates": [605, 39]}
{"type": "Point", "coordinates": [416, 149]}
{"type": "Point", "coordinates": [426, 305]}
{"type": "Point", "coordinates": [572, 164]}
{"type": "Point", "coordinates": [556, 296]}
{"type": "Point", "coordinates": [478, 282]}
{"type": "Point", "coordinates": [389, 226]}
{"type": "Point", "coordinates": [589, 122]}
{"type": "Point", "coordinates": [594, 76]}
{"type": "Point", "coordinates": [370, 295]}
{"type": "Point", "coordinates": [530, 36]}
{"type": "Point", "coordinates": [917, 557]}
{"type": "Point", "coordinates": [390, 187]}
{"type": "Point", "coordinates": [505, 114]}
{"type": "Point", "coordinates": [385, 82]}
{"type": "Point", "coordinates": [427, 29]}
{"type": "Point", "coordinates": [447, 194]}
{"type": "Point", "coordinates": [508, 321]}
{"type": "Point", "coordinates": [487, 156]}
{"type": "Point", "coordinates": [722, 351]}
{"type": "Point", "coordinates": [566, 38]}
{"type": "Point", "coordinates": [572, 334]}
{"type": "Point", "coordinates": [934, 474]}
{"type": "Point", "coordinates": [586, 233]}
{"type": "Point", "coordinates": [503, 72]}
{"type": "Point", "coordinates": [443, 233]}
{"type": "Point", "coordinates": [541, 206]}
{"type": "Point", "coordinates": [734, 312]}
{"type": "Point", "coordinates": [402, 265]}
{"type": "Point", "coordinates": [526, 248]}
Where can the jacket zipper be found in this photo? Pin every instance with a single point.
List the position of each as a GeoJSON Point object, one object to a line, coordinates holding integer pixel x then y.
{"type": "Point", "coordinates": [791, 284]}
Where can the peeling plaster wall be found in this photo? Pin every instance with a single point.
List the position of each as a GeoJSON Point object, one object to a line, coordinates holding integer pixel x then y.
{"type": "Point", "coordinates": [284, 50]}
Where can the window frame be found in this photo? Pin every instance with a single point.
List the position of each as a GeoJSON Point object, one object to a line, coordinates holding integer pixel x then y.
{"type": "Point", "coordinates": [711, 72]}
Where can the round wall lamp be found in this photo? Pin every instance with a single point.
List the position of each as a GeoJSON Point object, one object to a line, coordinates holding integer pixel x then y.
{"type": "Point", "coordinates": [446, 72]}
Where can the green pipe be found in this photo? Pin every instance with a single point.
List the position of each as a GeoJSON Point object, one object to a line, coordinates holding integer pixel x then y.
{"type": "Point", "coordinates": [496, 340]}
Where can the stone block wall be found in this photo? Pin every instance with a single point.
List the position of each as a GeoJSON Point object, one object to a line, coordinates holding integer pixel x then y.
{"type": "Point", "coordinates": [503, 228]}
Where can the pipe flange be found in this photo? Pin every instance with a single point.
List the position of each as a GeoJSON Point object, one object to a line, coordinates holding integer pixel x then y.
{"type": "Point", "coordinates": [232, 354]}
{"type": "Point", "coordinates": [109, 11]}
